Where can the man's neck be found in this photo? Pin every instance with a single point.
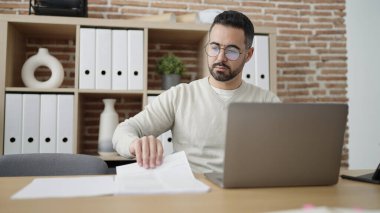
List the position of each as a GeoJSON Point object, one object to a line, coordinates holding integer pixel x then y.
{"type": "Point", "coordinates": [226, 85]}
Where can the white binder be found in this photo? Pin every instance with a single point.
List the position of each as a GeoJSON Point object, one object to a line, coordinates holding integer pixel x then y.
{"type": "Point", "coordinates": [31, 123]}
{"type": "Point", "coordinates": [87, 58]}
{"type": "Point", "coordinates": [135, 59]}
{"type": "Point", "coordinates": [166, 139]}
{"type": "Point", "coordinates": [13, 119]}
{"type": "Point", "coordinates": [103, 59]}
{"type": "Point", "coordinates": [48, 123]}
{"type": "Point", "coordinates": [261, 57]}
{"type": "Point", "coordinates": [119, 60]}
{"type": "Point", "coordinates": [256, 70]}
{"type": "Point", "coordinates": [249, 70]}
{"type": "Point", "coordinates": [65, 122]}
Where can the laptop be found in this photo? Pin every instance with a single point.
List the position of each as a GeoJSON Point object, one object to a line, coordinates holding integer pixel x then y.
{"type": "Point", "coordinates": [282, 145]}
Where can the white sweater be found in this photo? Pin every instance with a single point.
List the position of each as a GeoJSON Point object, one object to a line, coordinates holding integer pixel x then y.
{"type": "Point", "coordinates": [197, 117]}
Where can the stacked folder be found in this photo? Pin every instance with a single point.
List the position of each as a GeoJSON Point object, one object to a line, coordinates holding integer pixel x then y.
{"type": "Point", "coordinates": [111, 59]}
{"type": "Point", "coordinates": [38, 123]}
{"type": "Point", "coordinates": [256, 70]}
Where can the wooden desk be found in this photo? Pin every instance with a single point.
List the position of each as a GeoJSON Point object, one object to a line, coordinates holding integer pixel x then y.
{"type": "Point", "coordinates": [346, 194]}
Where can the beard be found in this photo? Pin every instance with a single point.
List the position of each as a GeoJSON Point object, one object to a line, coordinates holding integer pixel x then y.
{"type": "Point", "coordinates": [227, 75]}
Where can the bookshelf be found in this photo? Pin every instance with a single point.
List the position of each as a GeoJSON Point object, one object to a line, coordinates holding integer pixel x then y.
{"type": "Point", "coordinates": [17, 31]}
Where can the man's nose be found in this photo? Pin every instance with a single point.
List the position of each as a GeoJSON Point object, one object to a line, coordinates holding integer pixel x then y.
{"type": "Point", "coordinates": [221, 56]}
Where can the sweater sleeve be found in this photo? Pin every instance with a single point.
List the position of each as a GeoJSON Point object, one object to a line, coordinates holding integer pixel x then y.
{"type": "Point", "coordinates": [155, 119]}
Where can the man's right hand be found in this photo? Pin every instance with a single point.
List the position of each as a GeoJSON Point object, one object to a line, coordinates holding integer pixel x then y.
{"type": "Point", "coordinates": [148, 151]}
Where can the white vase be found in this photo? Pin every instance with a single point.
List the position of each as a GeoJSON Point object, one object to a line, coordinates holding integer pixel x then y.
{"type": "Point", "coordinates": [42, 58]}
{"type": "Point", "coordinates": [109, 119]}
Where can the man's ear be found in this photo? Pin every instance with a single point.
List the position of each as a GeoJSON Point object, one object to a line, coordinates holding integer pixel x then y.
{"type": "Point", "coordinates": [249, 54]}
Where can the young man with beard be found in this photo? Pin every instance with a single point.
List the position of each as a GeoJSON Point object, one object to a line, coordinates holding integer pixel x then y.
{"type": "Point", "coordinates": [197, 112]}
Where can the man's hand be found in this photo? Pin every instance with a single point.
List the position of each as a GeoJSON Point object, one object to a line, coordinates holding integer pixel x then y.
{"type": "Point", "coordinates": [148, 151]}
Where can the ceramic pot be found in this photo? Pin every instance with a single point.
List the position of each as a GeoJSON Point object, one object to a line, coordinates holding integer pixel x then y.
{"type": "Point", "coordinates": [109, 119]}
{"type": "Point", "coordinates": [42, 58]}
{"type": "Point", "coordinates": [170, 80]}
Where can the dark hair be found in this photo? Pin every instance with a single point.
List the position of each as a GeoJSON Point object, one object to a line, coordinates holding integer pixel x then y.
{"type": "Point", "coordinates": [237, 20]}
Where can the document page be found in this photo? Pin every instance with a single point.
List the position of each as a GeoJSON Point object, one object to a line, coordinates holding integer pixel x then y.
{"type": "Point", "coordinates": [173, 176]}
{"type": "Point", "coordinates": [67, 187]}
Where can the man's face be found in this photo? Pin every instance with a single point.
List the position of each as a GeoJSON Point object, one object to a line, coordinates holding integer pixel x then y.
{"type": "Point", "coordinates": [229, 42]}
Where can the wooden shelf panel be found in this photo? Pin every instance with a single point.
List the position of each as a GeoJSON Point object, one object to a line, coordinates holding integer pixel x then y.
{"type": "Point", "coordinates": [36, 90]}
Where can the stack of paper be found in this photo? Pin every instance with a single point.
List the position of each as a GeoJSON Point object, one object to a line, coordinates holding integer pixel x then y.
{"type": "Point", "coordinates": [173, 176]}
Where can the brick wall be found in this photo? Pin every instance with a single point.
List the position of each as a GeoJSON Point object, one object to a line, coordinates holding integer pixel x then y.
{"type": "Point", "coordinates": [311, 40]}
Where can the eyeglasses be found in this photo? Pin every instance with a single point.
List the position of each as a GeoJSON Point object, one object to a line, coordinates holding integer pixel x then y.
{"type": "Point", "coordinates": [232, 53]}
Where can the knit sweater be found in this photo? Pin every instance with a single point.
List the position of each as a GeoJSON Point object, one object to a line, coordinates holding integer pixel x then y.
{"type": "Point", "coordinates": [197, 117]}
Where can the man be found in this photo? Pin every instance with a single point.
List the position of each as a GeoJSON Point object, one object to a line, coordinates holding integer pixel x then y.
{"type": "Point", "coordinates": [197, 112]}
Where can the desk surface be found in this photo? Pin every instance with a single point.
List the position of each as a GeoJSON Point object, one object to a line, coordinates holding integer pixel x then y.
{"type": "Point", "coordinates": [346, 193]}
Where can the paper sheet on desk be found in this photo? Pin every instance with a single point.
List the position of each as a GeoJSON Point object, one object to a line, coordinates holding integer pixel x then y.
{"type": "Point", "coordinates": [67, 187]}
{"type": "Point", "coordinates": [173, 176]}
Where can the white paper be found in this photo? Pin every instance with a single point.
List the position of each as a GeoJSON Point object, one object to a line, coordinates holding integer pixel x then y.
{"type": "Point", "coordinates": [67, 187]}
{"type": "Point", "coordinates": [173, 176]}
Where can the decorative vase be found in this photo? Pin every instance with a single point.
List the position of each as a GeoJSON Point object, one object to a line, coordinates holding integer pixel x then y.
{"type": "Point", "coordinates": [109, 119]}
{"type": "Point", "coordinates": [42, 58]}
{"type": "Point", "coordinates": [170, 80]}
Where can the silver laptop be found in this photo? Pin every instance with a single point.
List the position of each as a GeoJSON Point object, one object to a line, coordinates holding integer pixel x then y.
{"type": "Point", "coordinates": [278, 145]}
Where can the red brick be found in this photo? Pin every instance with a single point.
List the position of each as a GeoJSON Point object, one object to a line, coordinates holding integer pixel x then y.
{"type": "Point", "coordinates": [220, 2]}
{"type": "Point", "coordinates": [331, 64]}
{"type": "Point", "coordinates": [315, 13]}
{"type": "Point", "coordinates": [293, 64]}
{"type": "Point", "coordinates": [324, 1]}
{"type": "Point", "coordinates": [130, 3]}
{"type": "Point", "coordinates": [332, 78]}
{"type": "Point", "coordinates": [303, 86]}
{"type": "Point", "coordinates": [292, 19]}
{"type": "Point", "coordinates": [299, 72]}
{"type": "Point", "coordinates": [296, 32]}
{"type": "Point", "coordinates": [293, 93]}
{"type": "Point", "coordinates": [294, 6]}
{"type": "Point", "coordinates": [290, 78]}
{"type": "Point", "coordinates": [280, 25]}
{"type": "Point", "coordinates": [330, 7]}
{"type": "Point", "coordinates": [334, 72]}
{"type": "Point", "coordinates": [334, 58]}
{"type": "Point", "coordinates": [258, 4]}
{"type": "Point", "coordinates": [304, 58]}
{"type": "Point", "coordinates": [336, 85]}
{"type": "Point", "coordinates": [90, 2]}
{"type": "Point", "coordinates": [338, 92]}
{"type": "Point", "coordinates": [280, 12]}
{"type": "Point", "coordinates": [312, 45]}
{"type": "Point", "coordinates": [319, 92]}
{"type": "Point", "coordinates": [332, 51]}
{"type": "Point", "coordinates": [331, 32]}
{"type": "Point", "coordinates": [316, 26]}
{"type": "Point", "coordinates": [168, 5]}
{"type": "Point", "coordinates": [291, 38]}
{"type": "Point", "coordinates": [342, 44]}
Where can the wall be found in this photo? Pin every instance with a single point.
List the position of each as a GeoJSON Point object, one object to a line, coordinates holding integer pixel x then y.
{"type": "Point", "coordinates": [311, 42]}
{"type": "Point", "coordinates": [363, 30]}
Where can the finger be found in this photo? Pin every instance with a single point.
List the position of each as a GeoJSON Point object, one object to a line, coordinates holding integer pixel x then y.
{"type": "Point", "coordinates": [152, 151]}
{"type": "Point", "coordinates": [138, 152]}
{"type": "Point", "coordinates": [160, 153]}
{"type": "Point", "coordinates": [145, 152]}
